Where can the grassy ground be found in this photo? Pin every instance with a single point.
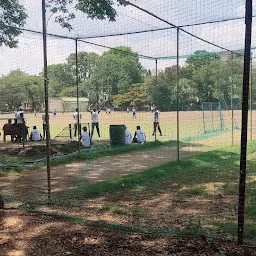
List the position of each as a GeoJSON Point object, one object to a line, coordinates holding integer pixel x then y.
{"type": "Point", "coordinates": [16, 163]}
{"type": "Point", "coordinates": [191, 123]}
{"type": "Point", "coordinates": [195, 196]}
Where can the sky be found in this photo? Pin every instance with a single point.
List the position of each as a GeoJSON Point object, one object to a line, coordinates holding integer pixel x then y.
{"type": "Point", "coordinates": [28, 57]}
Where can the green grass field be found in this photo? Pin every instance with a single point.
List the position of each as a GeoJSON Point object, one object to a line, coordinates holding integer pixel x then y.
{"type": "Point", "coordinates": [190, 123]}
{"type": "Point", "coordinates": [195, 196]}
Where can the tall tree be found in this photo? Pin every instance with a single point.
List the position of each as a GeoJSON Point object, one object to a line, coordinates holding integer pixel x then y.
{"type": "Point", "coordinates": [12, 19]}
{"type": "Point", "coordinates": [60, 76]}
{"type": "Point", "coordinates": [201, 58]}
{"type": "Point", "coordinates": [95, 9]}
{"type": "Point", "coordinates": [86, 64]}
{"type": "Point", "coordinates": [18, 86]}
{"type": "Point", "coordinates": [117, 69]}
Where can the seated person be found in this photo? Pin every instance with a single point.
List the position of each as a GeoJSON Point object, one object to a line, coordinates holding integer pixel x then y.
{"type": "Point", "coordinates": [35, 134]}
{"type": "Point", "coordinates": [139, 136]}
{"type": "Point", "coordinates": [7, 128]}
{"type": "Point", "coordinates": [85, 138]}
{"type": "Point", "coordinates": [128, 137]}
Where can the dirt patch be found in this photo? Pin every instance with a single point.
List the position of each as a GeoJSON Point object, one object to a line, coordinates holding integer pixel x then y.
{"type": "Point", "coordinates": [32, 235]}
{"type": "Point", "coordinates": [38, 149]}
{"type": "Point", "coordinates": [32, 184]}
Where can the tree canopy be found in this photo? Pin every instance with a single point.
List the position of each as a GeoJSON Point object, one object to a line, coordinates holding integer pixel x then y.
{"type": "Point", "coordinates": [13, 15]}
{"type": "Point", "coordinates": [12, 19]}
{"type": "Point", "coordinates": [119, 74]}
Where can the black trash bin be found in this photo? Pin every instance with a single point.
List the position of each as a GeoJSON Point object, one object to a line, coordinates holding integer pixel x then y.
{"type": "Point", "coordinates": [117, 135]}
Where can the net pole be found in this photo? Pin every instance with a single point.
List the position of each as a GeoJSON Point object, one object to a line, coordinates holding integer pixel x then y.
{"type": "Point", "coordinates": [77, 98]}
{"type": "Point", "coordinates": [251, 97]}
{"type": "Point", "coordinates": [156, 86]}
{"type": "Point", "coordinates": [246, 78]}
{"type": "Point", "coordinates": [46, 99]}
{"type": "Point", "coordinates": [177, 96]}
{"type": "Point", "coordinates": [231, 102]}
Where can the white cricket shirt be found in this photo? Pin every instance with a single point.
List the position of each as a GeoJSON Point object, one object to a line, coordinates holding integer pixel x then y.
{"type": "Point", "coordinates": [128, 137]}
{"type": "Point", "coordinates": [35, 135]}
{"type": "Point", "coordinates": [85, 139]}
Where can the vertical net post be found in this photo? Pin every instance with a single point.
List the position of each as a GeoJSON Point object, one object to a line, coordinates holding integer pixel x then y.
{"type": "Point", "coordinates": [178, 89]}
{"type": "Point", "coordinates": [212, 116]}
{"type": "Point", "coordinates": [156, 86]}
{"type": "Point", "coordinates": [202, 107]}
{"type": "Point", "coordinates": [251, 98]}
{"type": "Point", "coordinates": [77, 99]}
{"type": "Point", "coordinates": [221, 116]}
{"type": "Point", "coordinates": [46, 100]}
{"type": "Point", "coordinates": [246, 77]}
{"type": "Point", "coordinates": [231, 101]}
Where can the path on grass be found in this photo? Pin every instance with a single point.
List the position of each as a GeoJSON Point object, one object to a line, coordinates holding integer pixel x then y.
{"type": "Point", "coordinates": [32, 184]}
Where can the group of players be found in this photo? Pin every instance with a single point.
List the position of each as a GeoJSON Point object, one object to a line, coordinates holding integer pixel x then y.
{"type": "Point", "coordinates": [21, 131]}
{"type": "Point", "coordinates": [139, 135]}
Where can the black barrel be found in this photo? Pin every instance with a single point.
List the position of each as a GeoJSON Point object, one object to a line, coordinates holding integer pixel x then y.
{"type": "Point", "coordinates": [117, 135]}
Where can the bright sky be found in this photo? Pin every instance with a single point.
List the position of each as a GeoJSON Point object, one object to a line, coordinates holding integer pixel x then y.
{"type": "Point", "coordinates": [29, 55]}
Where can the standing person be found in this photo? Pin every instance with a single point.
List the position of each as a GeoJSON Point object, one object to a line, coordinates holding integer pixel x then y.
{"type": "Point", "coordinates": [156, 122]}
{"type": "Point", "coordinates": [133, 112]}
{"type": "Point", "coordinates": [15, 129]}
{"type": "Point", "coordinates": [35, 112]}
{"type": "Point", "coordinates": [95, 118]}
{"type": "Point", "coordinates": [54, 112]}
{"type": "Point", "coordinates": [128, 137]}
{"type": "Point", "coordinates": [44, 125]}
{"type": "Point", "coordinates": [35, 134]}
{"type": "Point", "coordinates": [127, 110]}
{"type": "Point", "coordinates": [21, 124]}
{"type": "Point", "coordinates": [77, 117]}
{"type": "Point", "coordinates": [139, 136]}
{"type": "Point", "coordinates": [85, 138]}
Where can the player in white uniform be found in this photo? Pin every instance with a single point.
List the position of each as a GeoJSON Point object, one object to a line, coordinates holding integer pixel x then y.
{"type": "Point", "coordinates": [128, 137]}
{"type": "Point", "coordinates": [77, 116]}
{"type": "Point", "coordinates": [95, 119]}
{"type": "Point", "coordinates": [133, 112]}
{"type": "Point", "coordinates": [44, 125]}
{"type": "Point", "coordinates": [156, 122]}
{"type": "Point", "coordinates": [21, 124]}
{"type": "Point", "coordinates": [139, 136]}
{"type": "Point", "coordinates": [85, 138]}
{"type": "Point", "coordinates": [35, 134]}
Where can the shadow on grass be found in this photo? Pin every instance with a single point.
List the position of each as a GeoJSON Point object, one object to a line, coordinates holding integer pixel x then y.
{"type": "Point", "coordinates": [210, 166]}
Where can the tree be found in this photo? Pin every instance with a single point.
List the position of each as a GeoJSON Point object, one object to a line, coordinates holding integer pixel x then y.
{"type": "Point", "coordinates": [18, 86]}
{"type": "Point", "coordinates": [60, 76]}
{"type": "Point", "coordinates": [86, 64]}
{"type": "Point", "coordinates": [115, 72]}
{"type": "Point", "coordinates": [13, 15]}
{"type": "Point", "coordinates": [95, 9]}
{"type": "Point", "coordinates": [161, 91]}
{"type": "Point", "coordinates": [201, 58]}
{"type": "Point", "coordinates": [137, 96]}
{"type": "Point", "coordinates": [12, 19]}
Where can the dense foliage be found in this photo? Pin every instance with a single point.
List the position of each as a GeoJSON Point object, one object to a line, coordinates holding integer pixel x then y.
{"type": "Point", "coordinates": [118, 74]}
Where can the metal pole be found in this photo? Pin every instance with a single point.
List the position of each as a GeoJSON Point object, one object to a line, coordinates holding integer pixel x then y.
{"type": "Point", "coordinates": [251, 98]}
{"type": "Point", "coordinates": [156, 86]}
{"type": "Point", "coordinates": [246, 78]}
{"type": "Point", "coordinates": [77, 100]}
{"type": "Point", "coordinates": [232, 97]}
{"type": "Point", "coordinates": [177, 96]}
{"type": "Point", "coordinates": [46, 101]}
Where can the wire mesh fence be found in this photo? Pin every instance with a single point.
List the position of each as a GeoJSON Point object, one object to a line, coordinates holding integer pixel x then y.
{"type": "Point", "coordinates": [186, 64]}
